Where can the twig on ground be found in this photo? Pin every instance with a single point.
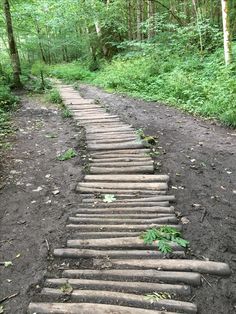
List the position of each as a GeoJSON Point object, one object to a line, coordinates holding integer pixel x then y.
{"type": "Point", "coordinates": [9, 297]}
{"type": "Point", "coordinates": [203, 215]}
{"type": "Point", "coordinates": [207, 281]}
{"type": "Point", "coordinates": [47, 244]}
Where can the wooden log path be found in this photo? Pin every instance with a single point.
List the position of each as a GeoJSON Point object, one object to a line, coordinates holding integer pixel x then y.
{"type": "Point", "coordinates": [123, 269]}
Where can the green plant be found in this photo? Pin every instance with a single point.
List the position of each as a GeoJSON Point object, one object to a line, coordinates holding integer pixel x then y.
{"type": "Point", "coordinates": [109, 198]}
{"type": "Point", "coordinates": [156, 296]}
{"type": "Point", "coordinates": [67, 288]}
{"type": "Point", "coordinates": [66, 113]}
{"type": "Point", "coordinates": [70, 153]}
{"type": "Point", "coordinates": [164, 235]}
{"type": "Point", "coordinates": [54, 96]}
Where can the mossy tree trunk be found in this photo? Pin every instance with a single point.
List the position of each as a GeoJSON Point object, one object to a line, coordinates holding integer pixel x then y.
{"type": "Point", "coordinates": [15, 60]}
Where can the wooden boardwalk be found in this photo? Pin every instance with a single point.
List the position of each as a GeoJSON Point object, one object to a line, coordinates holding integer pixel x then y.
{"type": "Point", "coordinates": [123, 268]}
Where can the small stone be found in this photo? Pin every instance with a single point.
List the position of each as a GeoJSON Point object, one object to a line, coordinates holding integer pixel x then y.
{"type": "Point", "coordinates": [55, 192]}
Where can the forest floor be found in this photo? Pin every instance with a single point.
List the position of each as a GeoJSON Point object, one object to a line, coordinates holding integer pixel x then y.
{"type": "Point", "coordinates": [198, 155]}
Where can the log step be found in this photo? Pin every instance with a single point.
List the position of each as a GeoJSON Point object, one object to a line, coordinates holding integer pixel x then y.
{"type": "Point", "coordinates": [125, 185]}
{"type": "Point", "coordinates": [123, 299]}
{"type": "Point", "coordinates": [151, 275]}
{"type": "Point", "coordinates": [125, 242]}
{"type": "Point", "coordinates": [204, 267]}
{"type": "Point", "coordinates": [126, 210]}
{"type": "Point", "coordinates": [134, 169]}
{"type": "Point", "coordinates": [86, 308]}
{"type": "Point", "coordinates": [127, 178]}
{"type": "Point", "coordinates": [109, 221]}
{"type": "Point", "coordinates": [90, 253]}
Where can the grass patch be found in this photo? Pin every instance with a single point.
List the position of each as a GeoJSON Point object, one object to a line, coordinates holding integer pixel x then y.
{"type": "Point", "coordinates": [66, 113]}
{"type": "Point", "coordinates": [165, 236]}
{"type": "Point", "coordinates": [54, 96]}
{"type": "Point", "coordinates": [70, 153]}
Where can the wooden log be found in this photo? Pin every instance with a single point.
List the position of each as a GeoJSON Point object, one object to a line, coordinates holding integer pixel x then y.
{"type": "Point", "coordinates": [121, 227]}
{"type": "Point", "coordinates": [89, 253]}
{"type": "Point", "coordinates": [78, 101]}
{"type": "Point", "coordinates": [114, 191]}
{"type": "Point", "coordinates": [95, 203]}
{"type": "Point", "coordinates": [136, 169]}
{"type": "Point", "coordinates": [122, 151]}
{"type": "Point", "coordinates": [97, 130]}
{"type": "Point", "coordinates": [127, 178]}
{"type": "Point", "coordinates": [104, 234]}
{"type": "Point", "coordinates": [121, 159]}
{"type": "Point", "coordinates": [116, 146]}
{"type": "Point", "coordinates": [85, 308]}
{"type": "Point", "coordinates": [161, 220]}
{"type": "Point", "coordinates": [125, 185]}
{"type": "Point", "coordinates": [150, 275]}
{"type": "Point", "coordinates": [124, 242]}
{"type": "Point", "coordinates": [120, 286]}
{"type": "Point", "coordinates": [123, 299]}
{"type": "Point", "coordinates": [100, 210]}
{"type": "Point", "coordinates": [124, 216]}
{"type": "Point", "coordinates": [123, 164]}
{"type": "Point", "coordinates": [205, 267]}
{"type": "Point", "coordinates": [111, 140]}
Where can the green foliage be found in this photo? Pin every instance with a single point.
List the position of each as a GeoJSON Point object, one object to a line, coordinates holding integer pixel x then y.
{"type": "Point", "coordinates": [67, 288]}
{"type": "Point", "coordinates": [109, 198]}
{"type": "Point", "coordinates": [8, 103]}
{"type": "Point", "coordinates": [157, 296]}
{"type": "Point", "coordinates": [66, 113]}
{"type": "Point", "coordinates": [54, 96]}
{"type": "Point", "coordinates": [70, 153]}
{"type": "Point", "coordinates": [196, 84]}
{"type": "Point", "coordinates": [70, 72]}
{"type": "Point", "coordinates": [164, 235]}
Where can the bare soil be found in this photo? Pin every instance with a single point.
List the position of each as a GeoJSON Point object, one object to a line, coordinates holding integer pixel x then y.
{"type": "Point", "coordinates": [200, 158]}
{"type": "Point", "coordinates": [36, 195]}
{"type": "Point", "coordinates": [198, 155]}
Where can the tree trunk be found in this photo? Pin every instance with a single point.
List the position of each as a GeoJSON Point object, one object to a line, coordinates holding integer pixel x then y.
{"type": "Point", "coordinates": [226, 29]}
{"type": "Point", "coordinates": [12, 46]}
{"type": "Point", "coordinates": [138, 11]}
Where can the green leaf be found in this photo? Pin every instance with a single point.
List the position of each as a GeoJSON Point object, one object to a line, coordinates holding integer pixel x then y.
{"type": "Point", "coordinates": [67, 288]}
{"type": "Point", "coordinates": [70, 153]}
{"type": "Point", "coordinates": [164, 247]}
{"type": "Point", "coordinates": [109, 198]}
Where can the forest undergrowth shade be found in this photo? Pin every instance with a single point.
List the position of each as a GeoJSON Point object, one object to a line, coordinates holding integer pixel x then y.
{"type": "Point", "coordinates": [200, 85]}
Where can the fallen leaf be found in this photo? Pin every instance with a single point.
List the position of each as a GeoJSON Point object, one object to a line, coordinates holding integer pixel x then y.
{"type": "Point", "coordinates": [18, 255]}
{"type": "Point", "coordinates": [184, 220]}
{"type": "Point", "coordinates": [38, 189]}
{"type": "Point", "coordinates": [8, 264]}
{"type": "Point", "coordinates": [55, 192]}
{"type": "Point", "coordinates": [109, 198]}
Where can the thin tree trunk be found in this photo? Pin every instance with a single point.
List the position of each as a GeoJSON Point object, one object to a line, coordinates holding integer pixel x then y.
{"type": "Point", "coordinates": [138, 11]}
{"type": "Point", "coordinates": [12, 46]}
{"type": "Point", "coordinates": [226, 29]}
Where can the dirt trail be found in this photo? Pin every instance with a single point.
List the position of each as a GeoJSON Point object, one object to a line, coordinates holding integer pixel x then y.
{"type": "Point", "coordinates": [30, 213]}
{"type": "Point", "coordinates": [198, 156]}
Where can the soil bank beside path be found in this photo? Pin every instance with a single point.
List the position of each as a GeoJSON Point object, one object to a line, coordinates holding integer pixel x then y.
{"type": "Point", "coordinates": [200, 158]}
{"type": "Point", "coordinates": [36, 199]}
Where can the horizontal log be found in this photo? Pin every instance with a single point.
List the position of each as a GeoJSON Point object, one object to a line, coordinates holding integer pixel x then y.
{"type": "Point", "coordinates": [121, 203]}
{"type": "Point", "coordinates": [123, 151]}
{"type": "Point", "coordinates": [125, 164]}
{"type": "Point", "coordinates": [127, 178]}
{"type": "Point", "coordinates": [150, 275]}
{"type": "Point", "coordinates": [205, 267]}
{"type": "Point", "coordinates": [135, 169]}
{"type": "Point", "coordinates": [86, 253]}
{"type": "Point", "coordinates": [160, 220]}
{"type": "Point", "coordinates": [153, 209]}
{"type": "Point", "coordinates": [85, 308]}
{"type": "Point", "coordinates": [93, 130]}
{"type": "Point", "coordinates": [123, 299]}
{"type": "Point", "coordinates": [104, 234]}
{"type": "Point", "coordinates": [125, 185]}
{"type": "Point", "coordinates": [120, 227]}
{"type": "Point", "coordinates": [131, 287]}
{"type": "Point", "coordinates": [115, 146]}
{"type": "Point", "coordinates": [111, 140]}
{"type": "Point", "coordinates": [120, 158]}
{"type": "Point", "coordinates": [124, 216]}
{"type": "Point", "coordinates": [78, 101]}
{"type": "Point", "coordinates": [114, 191]}
{"type": "Point", "coordinates": [125, 242]}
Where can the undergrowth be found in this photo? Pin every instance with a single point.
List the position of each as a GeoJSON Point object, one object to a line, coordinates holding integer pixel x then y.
{"type": "Point", "coordinates": [70, 153]}
{"type": "Point", "coordinates": [195, 83]}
